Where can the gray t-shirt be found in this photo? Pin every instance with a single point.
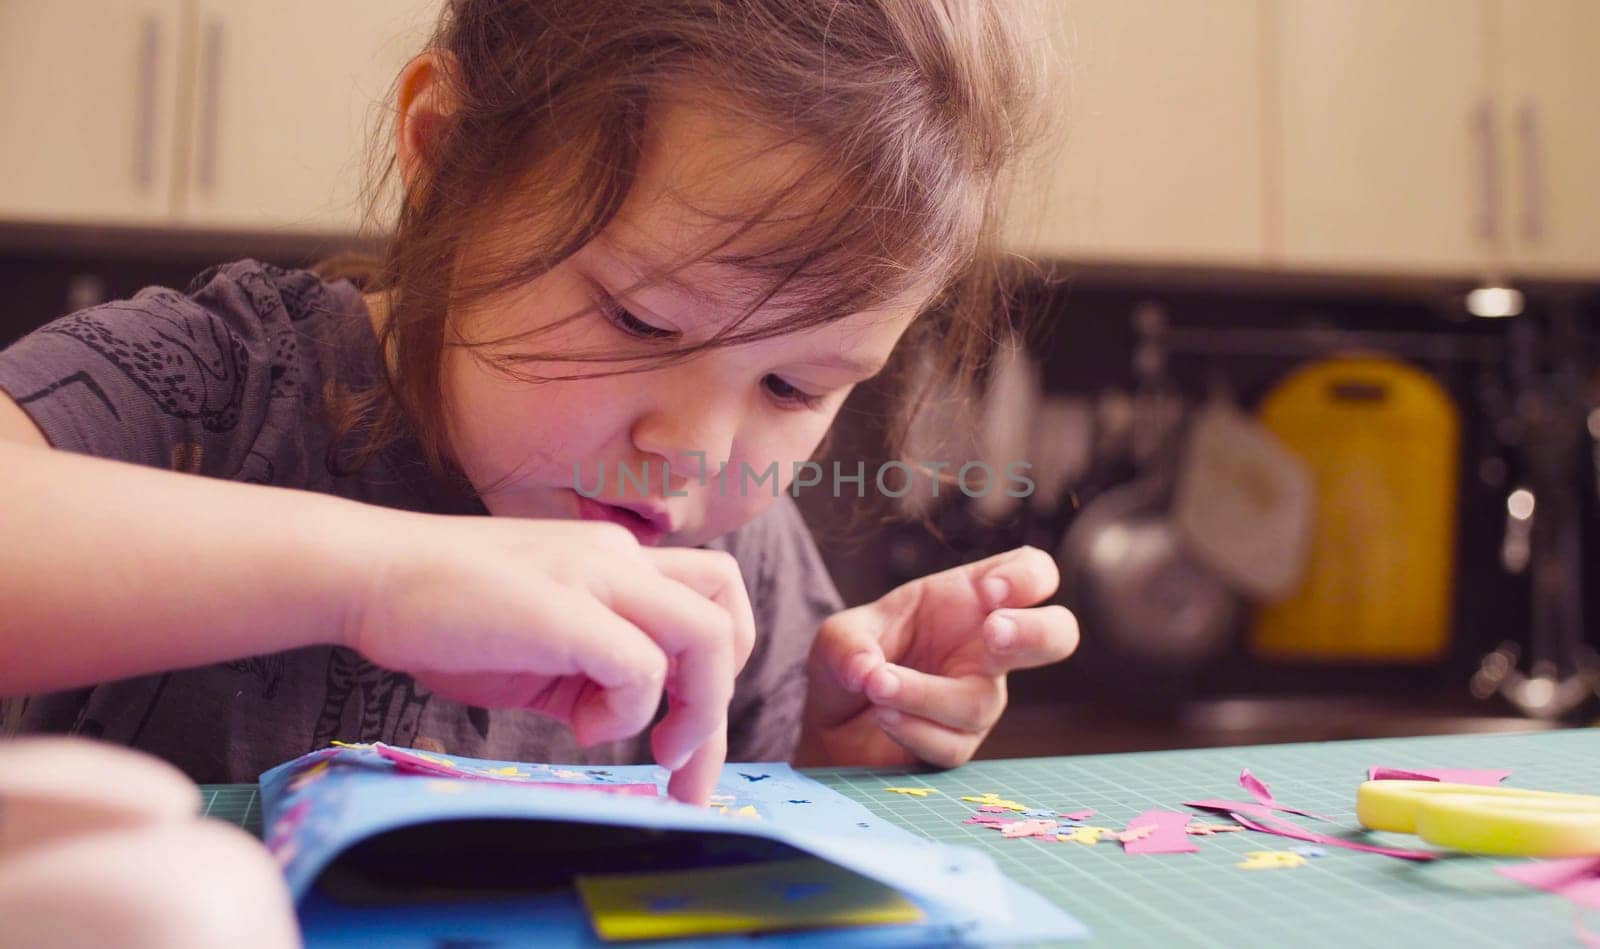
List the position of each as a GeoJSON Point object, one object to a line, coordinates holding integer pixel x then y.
{"type": "Point", "coordinates": [226, 380]}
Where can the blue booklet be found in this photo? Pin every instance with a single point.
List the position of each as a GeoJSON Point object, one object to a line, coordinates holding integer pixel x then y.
{"type": "Point", "coordinates": [403, 847]}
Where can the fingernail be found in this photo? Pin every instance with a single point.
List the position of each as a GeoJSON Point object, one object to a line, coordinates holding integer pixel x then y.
{"type": "Point", "coordinates": [995, 590]}
{"type": "Point", "coordinates": [1002, 632]}
{"type": "Point", "coordinates": [856, 672]}
{"type": "Point", "coordinates": [887, 716]}
{"type": "Point", "coordinates": [883, 685]}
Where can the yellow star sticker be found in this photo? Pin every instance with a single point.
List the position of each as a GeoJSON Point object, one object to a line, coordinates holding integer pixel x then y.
{"type": "Point", "coordinates": [1271, 860]}
{"type": "Point", "coordinates": [912, 792]}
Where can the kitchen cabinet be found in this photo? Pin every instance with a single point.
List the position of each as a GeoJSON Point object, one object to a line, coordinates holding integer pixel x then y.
{"type": "Point", "coordinates": [1382, 135]}
{"type": "Point", "coordinates": [1548, 122]}
{"type": "Point", "coordinates": [205, 114]}
{"type": "Point", "coordinates": [1448, 137]}
{"type": "Point", "coordinates": [88, 104]}
{"type": "Point", "coordinates": [287, 96]}
{"type": "Point", "coordinates": [1161, 157]}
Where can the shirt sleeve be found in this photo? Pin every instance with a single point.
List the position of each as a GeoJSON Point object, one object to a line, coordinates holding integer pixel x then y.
{"type": "Point", "coordinates": [184, 381]}
{"type": "Point", "coordinates": [791, 594]}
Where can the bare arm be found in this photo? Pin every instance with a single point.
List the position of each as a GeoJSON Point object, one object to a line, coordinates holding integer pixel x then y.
{"type": "Point", "coordinates": [109, 569]}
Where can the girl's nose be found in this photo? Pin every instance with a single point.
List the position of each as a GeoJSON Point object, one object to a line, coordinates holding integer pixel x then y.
{"type": "Point", "coordinates": [693, 436]}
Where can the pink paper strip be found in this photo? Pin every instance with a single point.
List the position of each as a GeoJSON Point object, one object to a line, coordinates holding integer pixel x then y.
{"type": "Point", "coordinates": [1169, 835]}
{"type": "Point", "coordinates": [417, 764]}
{"type": "Point", "coordinates": [1260, 817]}
{"type": "Point", "coordinates": [1486, 778]}
{"type": "Point", "coordinates": [1260, 792]}
{"type": "Point", "coordinates": [1271, 824]}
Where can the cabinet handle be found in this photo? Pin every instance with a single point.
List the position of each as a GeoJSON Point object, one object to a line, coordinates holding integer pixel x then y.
{"type": "Point", "coordinates": [1489, 183]}
{"type": "Point", "coordinates": [144, 109]}
{"type": "Point", "coordinates": [210, 89]}
{"type": "Point", "coordinates": [1532, 173]}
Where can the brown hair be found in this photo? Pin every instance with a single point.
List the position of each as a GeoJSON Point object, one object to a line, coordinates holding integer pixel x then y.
{"type": "Point", "coordinates": [915, 108]}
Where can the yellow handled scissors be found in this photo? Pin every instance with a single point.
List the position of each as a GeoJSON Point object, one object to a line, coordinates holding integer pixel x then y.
{"type": "Point", "coordinates": [1508, 822]}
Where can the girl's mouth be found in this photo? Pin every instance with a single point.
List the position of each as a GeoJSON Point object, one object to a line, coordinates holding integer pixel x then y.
{"type": "Point", "coordinates": [646, 531]}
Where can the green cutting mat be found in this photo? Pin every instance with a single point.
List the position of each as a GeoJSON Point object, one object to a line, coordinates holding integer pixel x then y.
{"type": "Point", "coordinates": [1344, 898]}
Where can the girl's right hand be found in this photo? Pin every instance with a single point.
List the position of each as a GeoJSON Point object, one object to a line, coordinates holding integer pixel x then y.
{"type": "Point", "coordinates": [571, 619]}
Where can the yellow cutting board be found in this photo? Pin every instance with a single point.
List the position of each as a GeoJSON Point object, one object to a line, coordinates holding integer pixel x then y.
{"type": "Point", "coordinates": [1382, 440]}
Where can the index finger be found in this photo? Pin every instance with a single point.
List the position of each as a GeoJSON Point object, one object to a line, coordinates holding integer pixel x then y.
{"type": "Point", "coordinates": [697, 635]}
{"type": "Point", "coordinates": [1025, 639]}
{"type": "Point", "coordinates": [694, 782]}
{"type": "Point", "coordinates": [715, 576]}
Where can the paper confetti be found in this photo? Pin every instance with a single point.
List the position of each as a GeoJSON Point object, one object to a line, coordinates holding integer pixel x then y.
{"type": "Point", "coordinates": [991, 799]}
{"type": "Point", "coordinates": [911, 792]}
{"type": "Point", "coordinates": [992, 819]}
{"type": "Point", "coordinates": [1202, 829]}
{"type": "Point", "coordinates": [1077, 815]}
{"type": "Point", "coordinates": [1271, 860]}
{"type": "Point", "coordinates": [1028, 828]}
{"type": "Point", "coordinates": [1309, 851]}
{"type": "Point", "coordinates": [1166, 834]}
{"type": "Point", "coordinates": [1486, 778]}
{"type": "Point", "coordinates": [1084, 835]}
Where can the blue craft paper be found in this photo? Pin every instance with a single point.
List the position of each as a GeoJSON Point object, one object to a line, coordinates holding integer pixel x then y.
{"type": "Point", "coordinates": [317, 806]}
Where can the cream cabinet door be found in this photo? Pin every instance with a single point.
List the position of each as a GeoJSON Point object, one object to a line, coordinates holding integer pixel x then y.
{"type": "Point", "coordinates": [87, 94]}
{"type": "Point", "coordinates": [1381, 112]}
{"type": "Point", "coordinates": [1161, 157]}
{"type": "Point", "coordinates": [287, 96]}
{"type": "Point", "coordinates": [1550, 114]}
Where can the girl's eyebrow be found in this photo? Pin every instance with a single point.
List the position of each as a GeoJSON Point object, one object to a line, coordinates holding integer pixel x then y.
{"type": "Point", "coordinates": [866, 367]}
{"type": "Point", "coordinates": [627, 256]}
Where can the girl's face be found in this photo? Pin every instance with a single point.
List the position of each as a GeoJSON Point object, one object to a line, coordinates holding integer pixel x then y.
{"type": "Point", "coordinates": [529, 446]}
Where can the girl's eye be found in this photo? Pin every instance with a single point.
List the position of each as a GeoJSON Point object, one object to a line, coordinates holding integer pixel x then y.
{"type": "Point", "coordinates": [788, 394]}
{"type": "Point", "coordinates": [631, 324]}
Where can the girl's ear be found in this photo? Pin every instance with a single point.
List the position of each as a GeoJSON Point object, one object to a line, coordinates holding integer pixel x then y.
{"type": "Point", "coordinates": [425, 101]}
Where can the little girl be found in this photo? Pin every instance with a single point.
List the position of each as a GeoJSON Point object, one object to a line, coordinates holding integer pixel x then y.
{"type": "Point", "coordinates": [665, 236]}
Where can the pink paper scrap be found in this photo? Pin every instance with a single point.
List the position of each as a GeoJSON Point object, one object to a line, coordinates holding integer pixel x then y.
{"type": "Point", "coordinates": [1259, 817]}
{"type": "Point", "coordinates": [1483, 777]}
{"type": "Point", "coordinates": [1577, 879]}
{"type": "Point", "coordinates": [1084, 814]}
{"type": "Point", "coordinates": [1168, 835]}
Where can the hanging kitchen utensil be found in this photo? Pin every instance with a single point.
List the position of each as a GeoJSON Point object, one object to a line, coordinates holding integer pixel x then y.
{"type": "Point", "coordinates": [1126, 571]}
{"type": "Point", "coordinates": [1244, 503]}
{"type": "Point", "coordinates": [1132, 583]}
{"type": "Point", "coordinates": [1381, 440]}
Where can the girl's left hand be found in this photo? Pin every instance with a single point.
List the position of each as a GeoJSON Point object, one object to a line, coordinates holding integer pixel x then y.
{"type": "Point", "coordinates": [921, 673]}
